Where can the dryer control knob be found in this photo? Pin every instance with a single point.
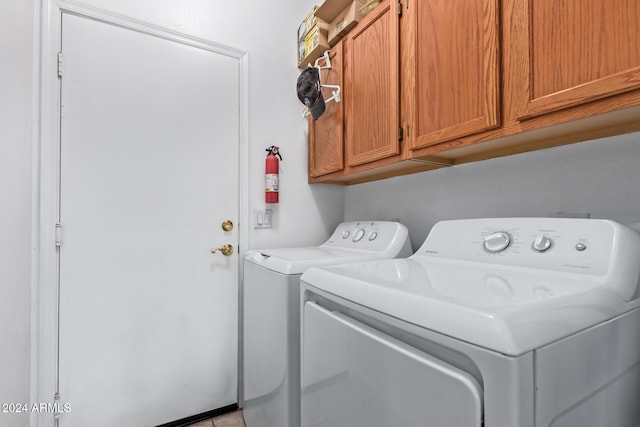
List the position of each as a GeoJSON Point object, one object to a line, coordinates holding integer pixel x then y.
{"type": "Point", "coordinates": [541, 243]}
{"type": "Point", "coordinates": [345, 234]}
{"type": "Point", "coordinates": [496, 242]}
{"type": "Point", "coordinates": [358, 235]}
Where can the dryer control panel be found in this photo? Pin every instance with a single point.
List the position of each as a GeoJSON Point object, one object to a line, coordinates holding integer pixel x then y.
{"type": "Point", "coordinates": [584, 246]}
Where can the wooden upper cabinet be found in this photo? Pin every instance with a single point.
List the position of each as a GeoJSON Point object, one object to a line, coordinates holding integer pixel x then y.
{"type": "Point", "coordinates": [371, 89]}
{"type": "Point", "coordinates": [450, 69]}
{"type": "Point", "coordinates": [576, 51]}
{"type": "Point", "coordinates": [326, 135]}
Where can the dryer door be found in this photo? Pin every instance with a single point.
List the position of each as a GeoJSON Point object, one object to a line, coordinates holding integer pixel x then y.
{"type": "Point", "coordinates": [354, 375]}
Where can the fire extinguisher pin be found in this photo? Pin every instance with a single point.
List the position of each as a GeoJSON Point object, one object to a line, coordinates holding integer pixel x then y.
{"type": "Point", "coordinates": [274, 150]}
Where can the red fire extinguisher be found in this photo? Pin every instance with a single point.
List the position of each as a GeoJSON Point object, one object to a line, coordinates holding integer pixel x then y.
{"type": "Point", "coordinates": [271, 178]}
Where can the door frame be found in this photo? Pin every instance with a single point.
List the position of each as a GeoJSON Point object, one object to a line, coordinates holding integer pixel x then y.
{"type": "Point", "coordinates": [46, 179]}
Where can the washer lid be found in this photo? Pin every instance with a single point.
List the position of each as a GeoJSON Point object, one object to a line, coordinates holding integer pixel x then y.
{"type": "Point", "coordinates": [297, 260]}
{"type": "Point", "coordinates": [505, 309]}
{"type": "Point", "coordinates": [350, 242]}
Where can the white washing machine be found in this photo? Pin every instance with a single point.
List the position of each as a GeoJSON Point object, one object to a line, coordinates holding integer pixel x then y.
{"type": "Point", "coordinates": [512, 322]}
{"type": "Point", "coordinates": [271, 313]}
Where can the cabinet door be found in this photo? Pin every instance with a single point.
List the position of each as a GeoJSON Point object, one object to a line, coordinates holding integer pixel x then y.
{"type": "Point", "coordinates": [576, 51]}
{"type": "Point", "coordinates": [371, 86]}
{"type": "Point", "coordinates": [326, 135]}
{"type": "Point", "coordinates": [450, 55]}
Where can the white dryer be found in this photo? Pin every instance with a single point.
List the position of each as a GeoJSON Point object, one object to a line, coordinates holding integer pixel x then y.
{"type": "Point", "coordinates": [271, 313]}
{"type": "Point", "coordinates": [508, 322]}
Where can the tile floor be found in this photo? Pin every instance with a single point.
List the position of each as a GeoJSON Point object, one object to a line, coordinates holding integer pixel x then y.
{"type": "Point", "coordinates": [233, 419]}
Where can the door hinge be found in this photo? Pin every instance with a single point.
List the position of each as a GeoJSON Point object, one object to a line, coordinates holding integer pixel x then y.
{"type": "Point", "coordinates": [60, 64]}
{"type": "Point", "coordinates": [399, 9]}
{"type": "Point", "coordinates": [400, 134]}
{"type": "Point", "coordinates": [58, 235]}
{"type": "Point", "coordinates": [56, 406]}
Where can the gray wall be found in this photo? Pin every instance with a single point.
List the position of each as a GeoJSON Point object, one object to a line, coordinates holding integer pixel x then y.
{"type": "Point", "coordinates": [601, 177]}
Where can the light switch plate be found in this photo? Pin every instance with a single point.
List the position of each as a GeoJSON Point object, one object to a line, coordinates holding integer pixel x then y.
{"type": "Point", "coordinates": [262, 218]}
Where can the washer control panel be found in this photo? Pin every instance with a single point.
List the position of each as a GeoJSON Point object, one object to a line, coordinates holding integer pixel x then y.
{"type": "Point", "coordinates": [561, 244]}
{"type": "Point", "coordinates": [367, 235]}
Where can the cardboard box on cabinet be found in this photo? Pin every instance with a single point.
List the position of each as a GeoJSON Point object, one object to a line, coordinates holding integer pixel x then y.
{"type": "Point", "coordinates": [312, 38]}
{"type": "Point", "coordinates": [312, 47]}
{"type": "Point", "coordinates": [309, 23]}
{"type": "Point", "coordinates": [342, 16]}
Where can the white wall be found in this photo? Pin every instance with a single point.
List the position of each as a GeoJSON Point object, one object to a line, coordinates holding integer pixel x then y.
{"type": "Point", "coordinates": [600, 177]}
{"type": "Point", "coordinates": [266, 30]}
{"type": "Point", "coordinates": [16, 23]}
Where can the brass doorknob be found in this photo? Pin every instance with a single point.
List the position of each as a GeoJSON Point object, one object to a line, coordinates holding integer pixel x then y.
{"type": "Point", "coordinates": [227, 225]}
{"type": "Point", "coordinates": [225, 249]}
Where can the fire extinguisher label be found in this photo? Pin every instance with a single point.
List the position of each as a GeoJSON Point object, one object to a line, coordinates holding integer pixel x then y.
{"type": "Point", "coordinates": [272, 182]}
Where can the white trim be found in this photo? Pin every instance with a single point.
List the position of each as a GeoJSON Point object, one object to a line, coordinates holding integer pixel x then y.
{"type": "Point", "coordinates": [45, 213]}
{"type": "Point", "coordinates": [35, 209]}
{"type": "Point", "coordinates": [65, 6]}
{"type": "Point", "coordinates": [45, 187]}
{"type": "Point", "coordinates": [245, 219]}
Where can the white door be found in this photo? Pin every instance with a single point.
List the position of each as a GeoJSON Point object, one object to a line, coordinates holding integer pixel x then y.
{"type": "Point", "coordinates": [149, 171]}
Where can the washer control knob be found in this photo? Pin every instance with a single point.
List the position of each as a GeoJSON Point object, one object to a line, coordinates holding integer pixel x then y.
{"type": "Point", "coordinates": [345, 234]}
{"type": "Point", "coordinates": [358, 235]}
{"type": "Point", "coordinates": [541, 243]}
{"type": "Point", "coordinates": [496, 242]}
{"type": "Point", "coordinates": [373, 235]}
